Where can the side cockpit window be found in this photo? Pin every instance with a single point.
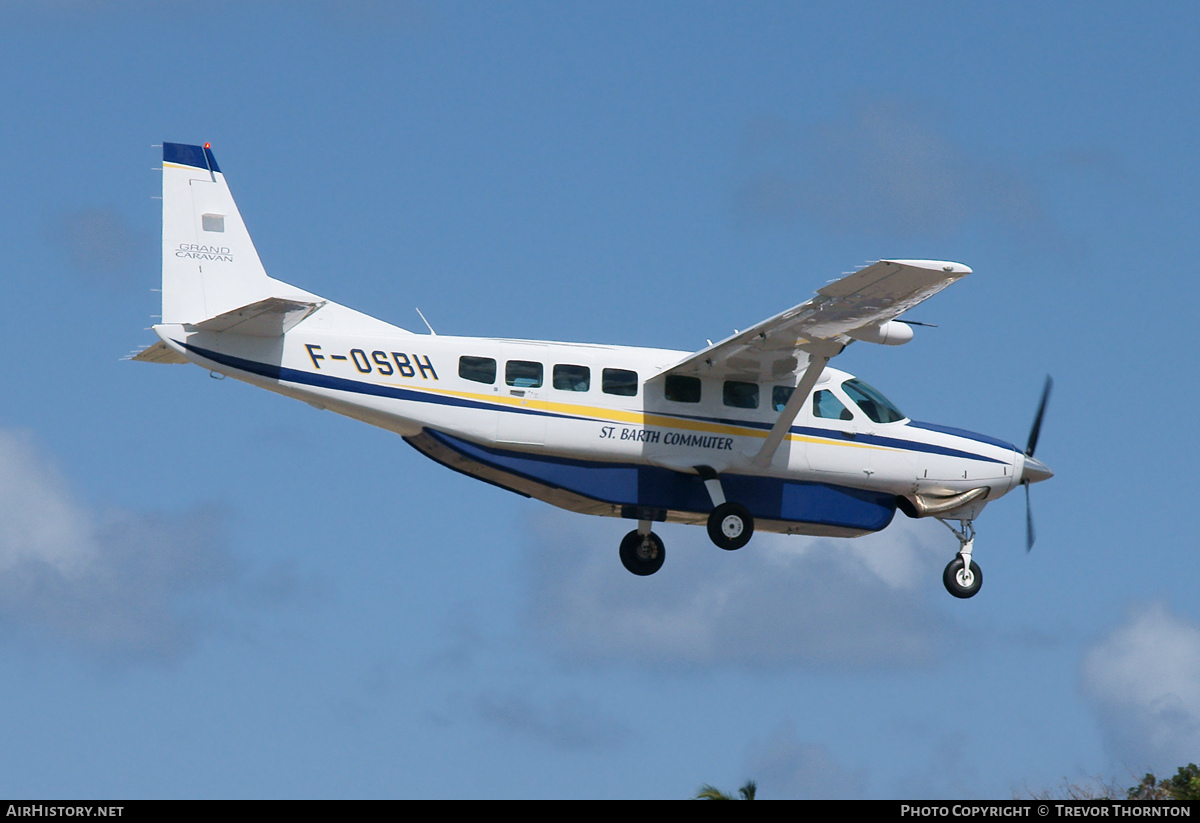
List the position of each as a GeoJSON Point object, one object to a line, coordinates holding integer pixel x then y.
{"type": "Point", "coordinates": [780, 395]}
{"type": "Point", "coordinates": [828, 407]}
{"type": "Point", "coordinates": [872, 402]}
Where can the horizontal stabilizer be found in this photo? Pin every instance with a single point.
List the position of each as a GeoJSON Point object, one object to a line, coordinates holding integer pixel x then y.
{"type": "Point", "coordinates": [266, 318]}
{"type": "Point", "coordinates": [160, 352]}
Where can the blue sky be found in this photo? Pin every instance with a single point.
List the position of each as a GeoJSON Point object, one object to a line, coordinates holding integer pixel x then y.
{"type": "Point", "coordinates": [211, 591]}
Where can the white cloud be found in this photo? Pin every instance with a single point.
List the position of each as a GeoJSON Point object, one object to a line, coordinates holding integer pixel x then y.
{"type": "Point", "coordinates": [119, 586]}
{"type": "Point", "coordinates": [1144, 680]}
{"type": "Point", "coordinates": [779, 602]}
{"type": "Point", "coordinates": [39, 521]}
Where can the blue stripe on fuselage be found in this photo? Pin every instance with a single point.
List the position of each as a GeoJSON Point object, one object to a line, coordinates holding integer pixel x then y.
{"type": "Point", "coordinates": [872, 439]}
{"type": "Point", "coordinates": [325, 381]}
{"type": "Point", "coordinates": [963, 433]}
{"type": "Point", "coordinates": [897, 443]}
{"type": "Point", "coordinates": [283, 373]}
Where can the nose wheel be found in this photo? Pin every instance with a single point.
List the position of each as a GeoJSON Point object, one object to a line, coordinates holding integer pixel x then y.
{"type": "Point", "coordinates": [962, 577]}
{"type": "Point", "coordinates": [962, 580]}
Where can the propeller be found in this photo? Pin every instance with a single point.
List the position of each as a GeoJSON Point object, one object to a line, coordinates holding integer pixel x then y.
{"type": "Point", "coordinates": [1035, 470]}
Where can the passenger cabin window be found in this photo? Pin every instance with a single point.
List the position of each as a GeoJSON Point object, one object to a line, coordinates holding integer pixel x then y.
{"type": "Point", "coordinates": [572, 378]}
{"type": "Point", "coordinates": [478, 369]}
{"type": "Point", "coordinates": [619, 381]}
{"type": "Point", "coordinates": [780, 395]}
{"type": "Point", "coordinates": [741, 395]}
{"type": "Point", "coordinates": [874, 405]}
{"type": "Point", "coordinates": [827, 406]}
{"type": "Point", "coordinates": [682, 389]}
{"type": "Point", "coordinates": [524, 374]}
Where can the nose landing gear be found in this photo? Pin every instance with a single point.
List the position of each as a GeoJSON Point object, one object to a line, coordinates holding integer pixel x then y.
{"type": "Point", "coordinates": [962, 577]}
{"type": "Point", "coordinates": [960, 580]}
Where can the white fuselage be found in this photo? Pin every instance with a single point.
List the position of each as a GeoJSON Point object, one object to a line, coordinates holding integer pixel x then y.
{"type": "Point", "coordinates": [589, 404]}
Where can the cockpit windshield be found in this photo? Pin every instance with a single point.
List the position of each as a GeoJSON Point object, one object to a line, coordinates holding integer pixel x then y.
{"type": "Point", "coordinates": [874, 405]}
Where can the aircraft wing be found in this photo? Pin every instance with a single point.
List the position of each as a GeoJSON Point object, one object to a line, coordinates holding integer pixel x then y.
{"type": "Point", "coordinates": [858, 306]}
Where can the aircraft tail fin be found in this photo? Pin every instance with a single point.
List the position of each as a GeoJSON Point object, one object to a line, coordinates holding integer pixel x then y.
{"type": "Point", "coordinates": [212, 278]}
{"type": "Point", "coordinates": [210, 265]}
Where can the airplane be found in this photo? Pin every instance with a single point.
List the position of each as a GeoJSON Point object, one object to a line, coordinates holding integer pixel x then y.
{"type": "Point", "coordinates": [753, 433]}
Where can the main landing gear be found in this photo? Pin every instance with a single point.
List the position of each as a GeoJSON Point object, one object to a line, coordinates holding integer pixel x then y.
{"type": "Point", "coordinates": [642, 550]}
{"type": "Point", "coordinates": [730, 526]}
{"type": "Point", "coordinates": [962, 576]}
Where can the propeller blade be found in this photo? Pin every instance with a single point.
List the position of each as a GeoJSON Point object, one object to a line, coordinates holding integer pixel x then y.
{"type": "Point", "coordinates": [1030, 536]}
{"type": "Point", "coordinates": [1037, 420]}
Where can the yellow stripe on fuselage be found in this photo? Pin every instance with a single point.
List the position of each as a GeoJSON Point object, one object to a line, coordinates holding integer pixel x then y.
{"type": "Point", "coordinates": [581, 412]}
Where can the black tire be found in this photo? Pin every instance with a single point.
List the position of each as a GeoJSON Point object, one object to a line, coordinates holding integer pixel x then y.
{"type": "Point", "coordinates": [730, 526]}
{"type": "Point", "coordinates": [966, 585]}
{"type": "Point", "coordinates": [642, 556]}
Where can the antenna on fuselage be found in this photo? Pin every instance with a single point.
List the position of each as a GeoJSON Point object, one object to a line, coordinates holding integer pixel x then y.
{"type": "Point", "coordinates": [431, 331]}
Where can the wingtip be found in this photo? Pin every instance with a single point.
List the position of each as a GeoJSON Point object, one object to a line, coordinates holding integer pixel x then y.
{"type": "Point", "coordinates": [946, 266]}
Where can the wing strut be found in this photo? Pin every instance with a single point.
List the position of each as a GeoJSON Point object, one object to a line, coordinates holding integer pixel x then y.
{"type": "Point", "coordinates": [816, 365]}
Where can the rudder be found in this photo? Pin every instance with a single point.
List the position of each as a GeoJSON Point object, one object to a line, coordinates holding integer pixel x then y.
{"type": "Point", "coordinates": [210, 265]}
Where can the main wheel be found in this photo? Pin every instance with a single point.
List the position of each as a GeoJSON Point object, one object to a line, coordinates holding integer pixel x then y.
{"type": "Point", "coordinates": [642, 554]}
{"type": "Point", "coordinates": [961, 581]}
{"type": "Point", "coordinates": [730, 526]}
